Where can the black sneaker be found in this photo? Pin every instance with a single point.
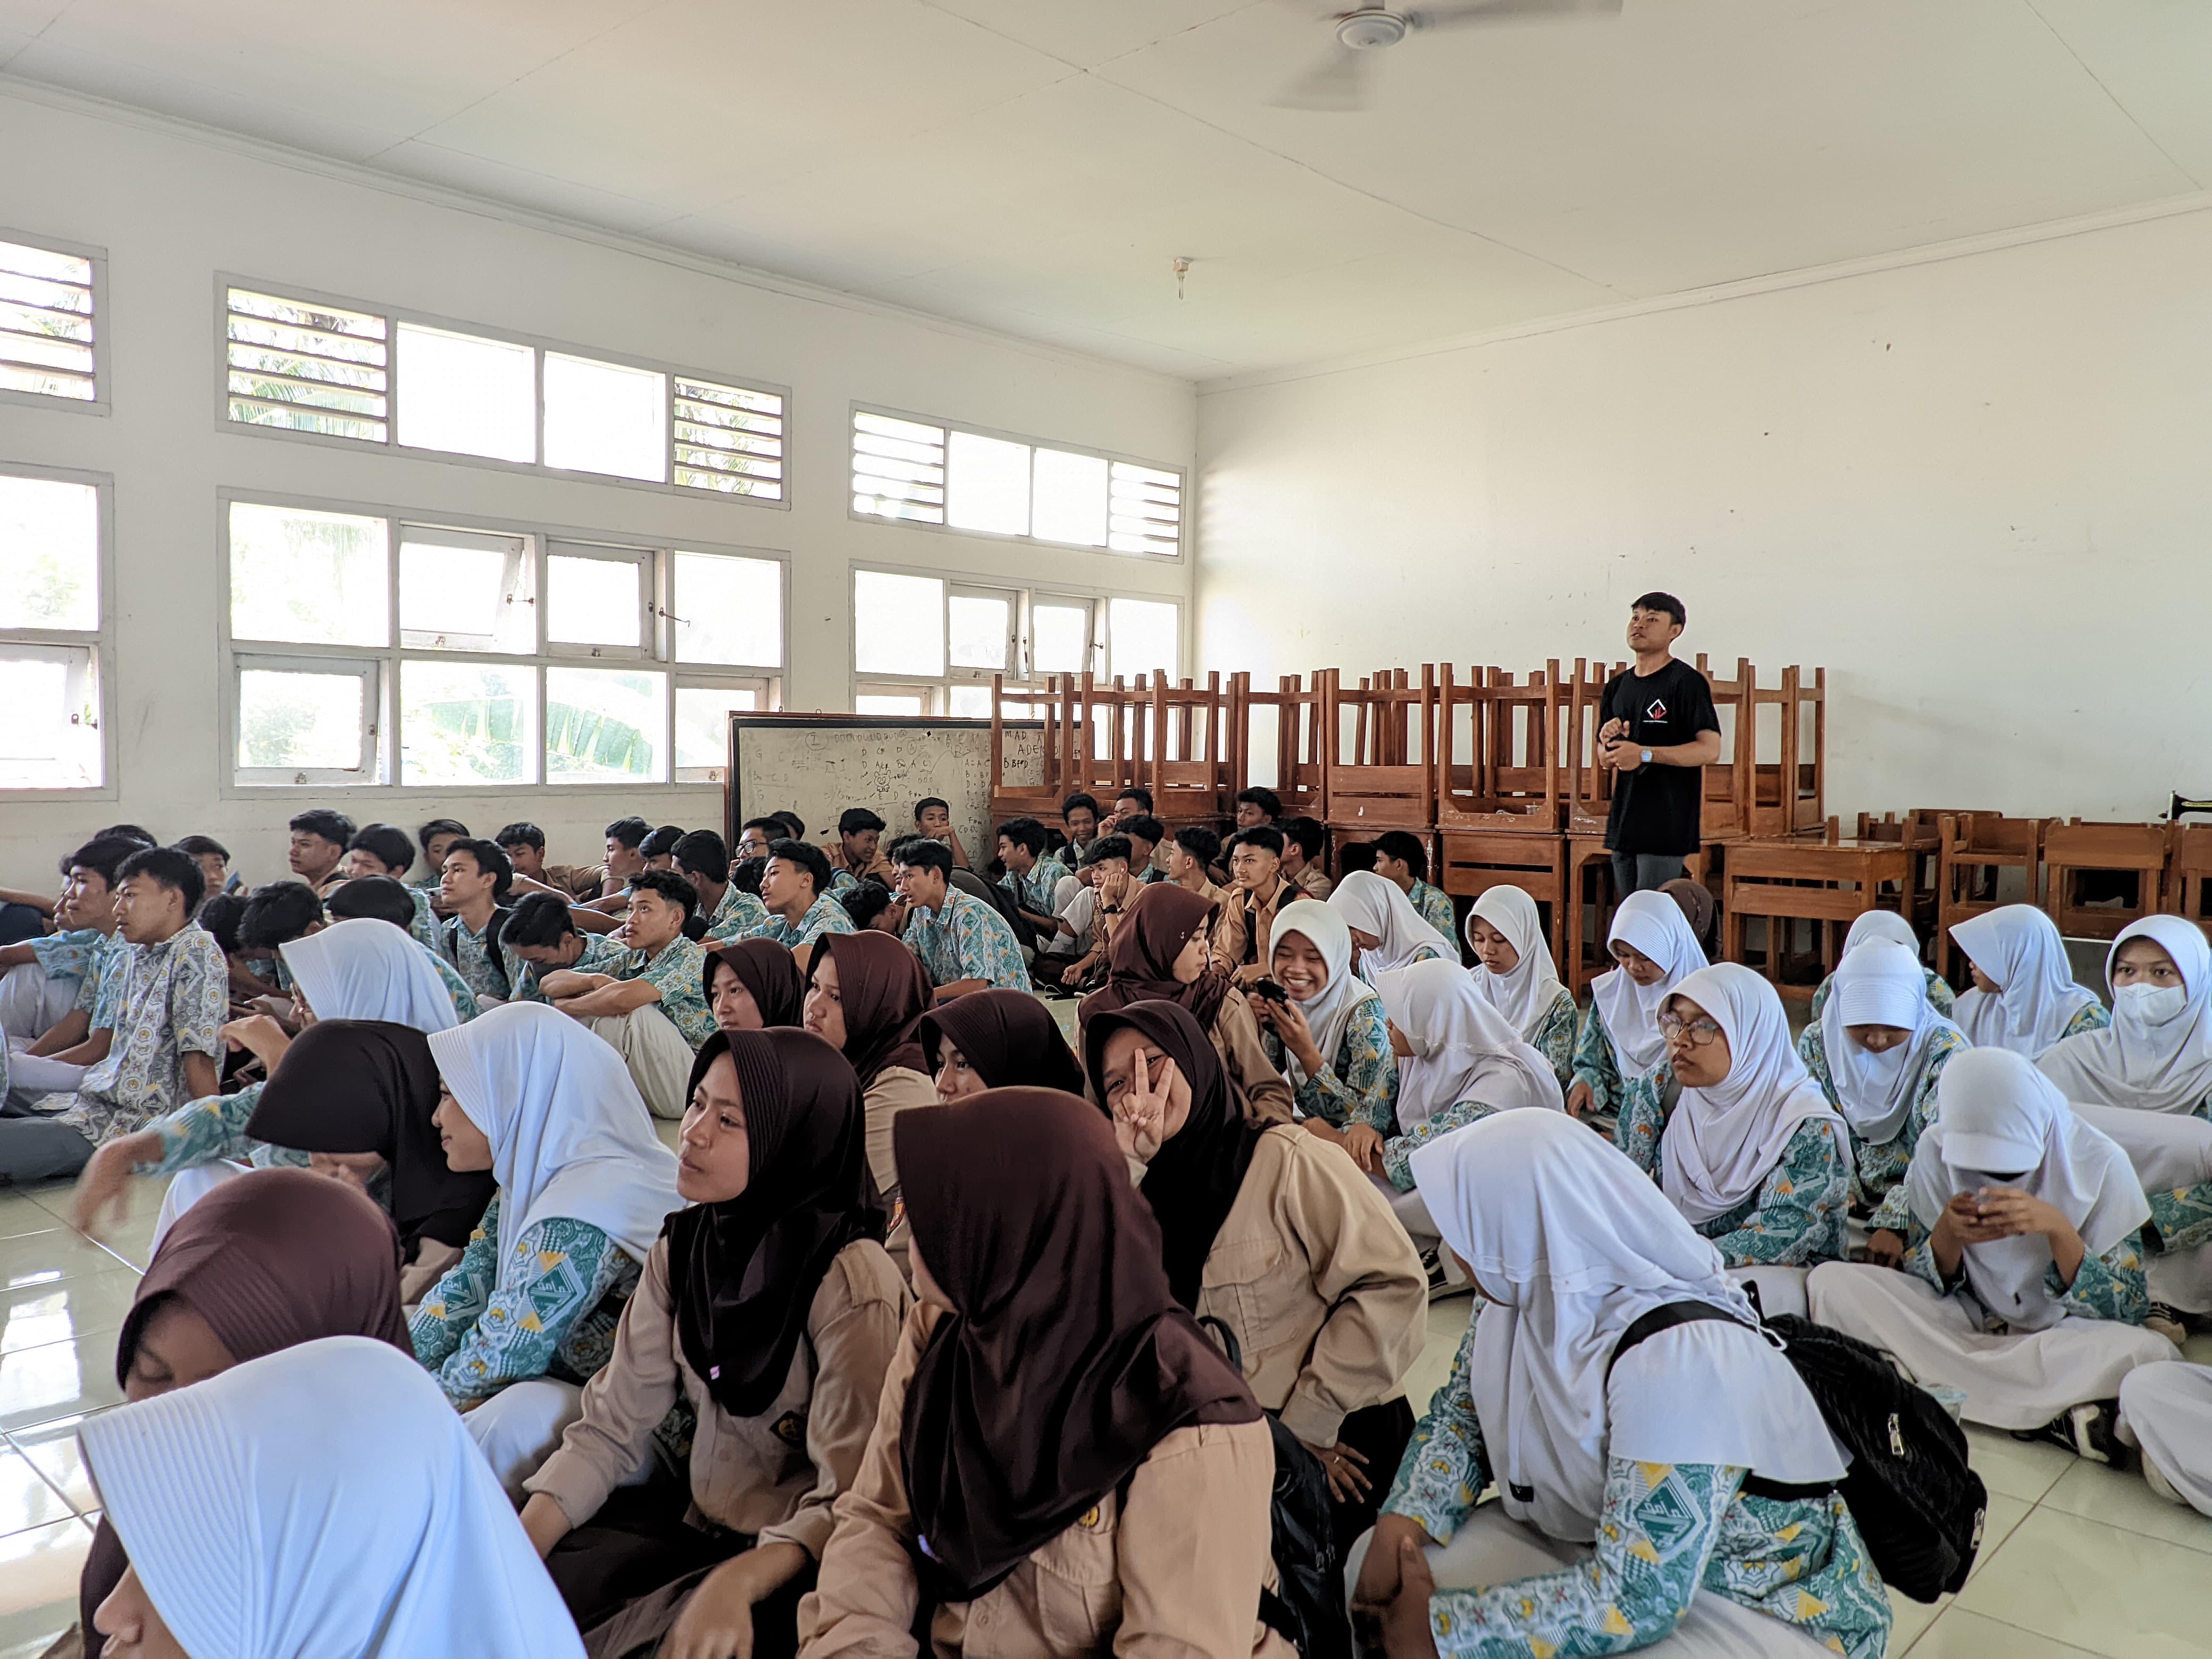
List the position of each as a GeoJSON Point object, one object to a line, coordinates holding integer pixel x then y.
{"type": "Point", "coordinates": [2168, 1321]}
{"type": "Point", "coordinates": [2086, 1431]}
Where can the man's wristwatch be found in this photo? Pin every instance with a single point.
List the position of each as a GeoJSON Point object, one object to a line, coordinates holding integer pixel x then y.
{"type": "Point", "coordinates": [1647, 757]}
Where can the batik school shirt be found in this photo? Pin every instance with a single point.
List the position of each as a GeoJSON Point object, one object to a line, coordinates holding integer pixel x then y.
{"type": "Point", "coordinates": [1612, 1094]}
{"type": "Point", "coordinates": [678, 971]}
{"type": "Point", "coordinates": [1667, 1533]}
{"type": "Point", "coordinates": [603, 953]}
{"type": "Point", "coordinates": [1555, 1036]}
{"type": "Point", "coordinates": [824, 915]}
{"type": "Point", "coordinates": [174, 997]}
{"type": "Point", "coordinates": [1434, 906]}
{"type": "Point", "coordinates": [473, 956]}
{"type": "Point", "coordinates": [1034, 891]}
{"type": "Point", "coordinates": [95, 960]}
{"type": "Point", "coordinates": [2112, 1286]}
{"type": "Point", "coordinates": [425, 925]}
{"type": "Point", "coordinates": [739, 916]}
{"type": "Point", "coordinates": [1878, 1168]}
{"type": "Point", "coordinates": [966, 939]}
{"type": "Point", "coordinates": [1359, 1084]}
{"type": "Point", "coordinates": [1795, 1218]}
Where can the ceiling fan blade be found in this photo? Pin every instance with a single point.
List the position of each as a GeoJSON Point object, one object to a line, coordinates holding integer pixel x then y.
{"type": "Point", "coordinates": [1338, 83]}
{"type": "Point", "coordinates": [1509, 11]}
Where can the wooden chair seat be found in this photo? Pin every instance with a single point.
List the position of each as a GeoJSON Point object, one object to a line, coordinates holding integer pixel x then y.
{"type": "Point", "coordinates": [2075, 849]}
{"type": "Point", "coordinates": [1829, 883]}
{"type": "Point", "coordinates": [1973, 851]}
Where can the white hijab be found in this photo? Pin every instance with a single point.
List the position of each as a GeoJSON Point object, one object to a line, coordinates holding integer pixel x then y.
{"type": "Point", "coordinates": [1880, 983]}
{"type": "Point", "coordinates": [1575, 1244]}
{"type": "Point", "coordinates": [1328, 1013]}
{"type": "Point", "coordinates": [323, 1502]}
{"type": "Point", "coordinates": [365, 968]}
{"type": "Point", "coordinates": [1723, 1141]}
{"type": "Point", "coordinates": [1654, 925]}
{"type": "Point", "coordinates": [2155, 1065]}
{"type": "Point", "coordinates": [1375, 906]}
{"type": "Point", "coordinates": [2002, 1123]}
{"type": "Point", "coordinates": [2019, 947]}
{"type": "Point", "coordinates": [1524, 996]}
{"type": "Point", "coordinates": [1882, 925]}
{"type": "Point", "coordinates": [570, 1134]}
{"type": "Point", "coordinates": [1462, 1047]}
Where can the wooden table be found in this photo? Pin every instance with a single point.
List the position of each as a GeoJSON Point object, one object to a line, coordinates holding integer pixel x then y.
{"type": "Point", "coordinates": [1821, 882]}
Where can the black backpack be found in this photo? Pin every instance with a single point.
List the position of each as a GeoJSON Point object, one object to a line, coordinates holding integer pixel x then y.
{"type": "Point", "coordinates": [1918, 1504]}
{"type": "Point", "coordinates": [1308, 1608]}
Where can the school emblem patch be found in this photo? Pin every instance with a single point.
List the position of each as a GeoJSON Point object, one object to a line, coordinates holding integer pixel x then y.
{"type": "Point", "coordinates": [1658, 711]}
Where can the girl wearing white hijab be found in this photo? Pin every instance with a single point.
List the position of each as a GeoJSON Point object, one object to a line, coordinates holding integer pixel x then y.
{"type": "Point", "coordinates": [1888, 926]}
{"type": "Point", "coordinates": [1331, 1040]}
{"type": "Point", "coordinates": [1877, 1049]}
{"type": "Point", "coordinates": [1620, 1057]}
{"type": "Point", "coordinates": [1700, 1422]}
{"type": "Point", "coordinates": [1385, 925]}
{"type": "Point", "coordinates": [2023, 1279]}
{"type": "Point", "coordinates": [1513, 969]}
{"type": "Point", "coordinates": [2024, 997]}
{"type": "Point", "coordinates": [528, 1314]}
{"type": "Point", "coordinates": [320, 1503]}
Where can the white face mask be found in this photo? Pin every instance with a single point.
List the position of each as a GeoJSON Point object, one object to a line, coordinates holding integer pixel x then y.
{"type": "Point", "coordinates": [2149, 1005]}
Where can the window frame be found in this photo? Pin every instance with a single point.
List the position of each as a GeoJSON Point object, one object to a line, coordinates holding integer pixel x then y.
{"type": "Point", "coordinates": [370, 672]}
{"type": "Point", "coordinates": [99, 403]}
{"type": "Point", "coordinates": [100, 642]}
{"type": "Point", "coordinates": [1179, 556]}
{"type": "Point", "coordinates": [541, 537]}
{"type": "Point", "coordinates": [394, 316]}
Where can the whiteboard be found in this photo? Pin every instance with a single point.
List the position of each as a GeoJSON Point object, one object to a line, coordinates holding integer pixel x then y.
{"type": "Point", "coordinates": [818, 765]}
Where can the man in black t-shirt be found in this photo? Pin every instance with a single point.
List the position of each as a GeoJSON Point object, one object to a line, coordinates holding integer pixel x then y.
{"type": "Point", "coordinates": [1659, 731]}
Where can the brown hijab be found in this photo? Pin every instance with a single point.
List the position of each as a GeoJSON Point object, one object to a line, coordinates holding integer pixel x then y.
{"type": "Point", "coordinates": [270, 1260]}
{"type": "Point", "coordinates": [1140, 966]}
{"type": "Point", "coordinates": [1698, 905]}
{"type": "Point", "coordinates": [768, 970]}
{"type": "Point", "coordinates": [1066, 1359]}
{"type": "Point", "coordinates": [1007, 1037]}
{"type": "Point", "coordinates": [883, 989]}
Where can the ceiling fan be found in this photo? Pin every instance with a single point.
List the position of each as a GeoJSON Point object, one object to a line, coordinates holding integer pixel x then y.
{"type": "Point", "coordinates": [1339, 81]}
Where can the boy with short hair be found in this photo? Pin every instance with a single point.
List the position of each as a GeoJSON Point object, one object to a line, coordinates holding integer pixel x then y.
{"type": "Point", "coordinates": [963, 944]}
{"type": "Point", "coordinates": [1400, 859]}
{"type": "Point", "coordinates": [755, 835]}
{"type": "Point", "coordinates": [652, 1009]}
{"type": "Point", "coordinates": [540, 938]}
{"type": "Point", "coordinates": [1256, 806]}
{"type": "Point", "coordinates": [1079, 813]}
{"type": "Point", "coordinates": [1302, 840]}
{"type": "Point", "coordinates": [1242, 929]}
{"type": "Point", "coordinates": [1033, 876]}
{"type": "Point", "coordinates": [859, 851]}
{"type": "Point", "coordinates": [1191, 853]}
{"type": "Point", "coordinates": [795, 888]}
{"type": "Point", "coordinates": [731, 911]}
{"type": "Point", "coordinates": [657, 849]}
{"type": "Point", "coordinates": [320, 840]}
{"type": "Point", "coordinates": [436, 839]}
{"type": "Point", "coordinates": [53, 983]}
{"type": "Point", "coordinates": [1093, 914]}
{"type": "Point", "coordinates": [524, 843]}
{"type": "Point", "coordinates": [473, 893]}
{"type": "Point", "coordinates": [1146, 833]}
{"type": "Point", "coordinates": [1133, 802]}
{"type": "Point", "coordinates": [933, 817]}
{"type": "Point", "coordinates": [214, 860]}
{"type": "Point", "coordinates": [380, 849]}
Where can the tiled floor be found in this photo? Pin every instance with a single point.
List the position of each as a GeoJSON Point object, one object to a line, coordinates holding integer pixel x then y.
{"type": "Point", "coordinates": [2077, 1560]}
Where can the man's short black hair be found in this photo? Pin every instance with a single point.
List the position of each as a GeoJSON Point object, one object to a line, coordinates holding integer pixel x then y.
{"type": "Point", "coordinates": [1201, 843]}
{"type": "Point", "coordinates": [220, 916]}
{"type": "Point", "coordinates": [702, 853]}
{"type": "Point", "coordinates": [277, 914]}
{"type": "Point", "coordinates": [864, 903]}
{"type": "Point", "coordinates": [1355, 855]}
{"type": "Point", "coordinates": [792, 822]}
{"type": "Point", "coordinates": [1404, 844]}
{"type": "Point", "coordinates": [1144, 827]}
{"type": "Point", "coordinates": [745, 875]}
{"type": "Point", "coordinates": [427, 833]}
{"type": "Point", "coordinates": [1107, 846]}
{"type": "Point", "coordinates": [1024, 833]}
{"type": "Point", "coordinates": [490, 861]}
{"type": "Point", "coordinates": [1266, 800]}
{"type": "Point", "coordinates": [1081, 798]}
{"type": "Point", "coordinates": [661, 842]}
{"type": "Point", "coordinates": [629, 832]}
{"type": "Point", "coordinates": [521, 833]}
{"type": "Point", "coordinates": [1656, 600]}
{"type": "Point", "coordinates": [199, 846]}
{"type": "Point", "coordinates": [380, 898]}
{"type": "Point", "coordinates": [669, 885]}
{"type": "Point", "coordinates": [137, 832]}
{"type": "Point", "coordinates": [103, 855]}
{"type": "Point", "coordinates": [774, 827]}
{"type": "Point", "coordinates": [1137, 792]}
{"type": "Point", "coordinates": [1307, 833]}
{"type": "Point", "coordinates": [858, 821]}
{"type": "Point", "coordinates": [174, 870]}
{"type": "Point", "coordinates": [539, 919]}
{"type": "Point", "coordinates": [333, 827]}
{"type": "Point", "coordinates": [922, 852]}
{"type": "Point", "coordinates": [928, 801]}
{"type": "Point", "coordinates": [388, 842]}
{"type": "Point", "coordinates": [812, 859]}
{"type": "Point", "coordinates": [1265, 837]}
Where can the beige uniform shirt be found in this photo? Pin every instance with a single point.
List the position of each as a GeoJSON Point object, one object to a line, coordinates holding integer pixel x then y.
{"type": "Point", "coordinates": [774, 1476]}
{"type": "Point", "coordinates": [1313, 882]}
{"type": "Point", "coordinates": [1174, 1571]}
{"type": "Point", "coordinates": [896, 1090]}
{"type": "Point", "coordinates": [1242, 920]}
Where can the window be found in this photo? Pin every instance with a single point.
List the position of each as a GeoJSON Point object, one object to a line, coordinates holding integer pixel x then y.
{"type": "Point", "coordinates": [374, 375]}
{"type": "Point", "coordinates": [989, 484]}
{"type": "Point", "coordinates": [53, 631]}
{"type": "Point", "coordinates": [48, 301]}
{"type": "Point", "coordinates": [371, 647]}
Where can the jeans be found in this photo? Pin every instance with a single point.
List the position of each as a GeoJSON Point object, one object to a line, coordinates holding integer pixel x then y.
{"type": "Point", "coordinates": [1644, 872]}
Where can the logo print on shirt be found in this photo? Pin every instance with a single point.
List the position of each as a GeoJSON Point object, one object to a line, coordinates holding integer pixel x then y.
{"type": "Point", "coordinates": [1658, 711]}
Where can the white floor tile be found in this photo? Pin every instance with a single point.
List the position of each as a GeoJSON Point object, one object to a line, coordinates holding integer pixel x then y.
{"type": "Point", "coordinates": [2098, 1493]}
{"type": "Point", "coordinates": [2071, 1580]}
{"type": "Point", "coordinates": [1960, 1634]}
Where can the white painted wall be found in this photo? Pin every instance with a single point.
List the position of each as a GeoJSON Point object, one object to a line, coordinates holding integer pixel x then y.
{"type": "Point", "coordinates": [172, 206]}
{"type": "Point", "coordinates": [1979, 489]}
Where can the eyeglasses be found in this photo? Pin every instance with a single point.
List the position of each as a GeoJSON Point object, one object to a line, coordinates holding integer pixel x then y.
{"type": "Point", "coordinates": [1701, 1032]}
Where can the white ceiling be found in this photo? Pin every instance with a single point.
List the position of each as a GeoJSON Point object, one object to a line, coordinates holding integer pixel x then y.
{"type": "Point", "coordinates": [1035, 166]}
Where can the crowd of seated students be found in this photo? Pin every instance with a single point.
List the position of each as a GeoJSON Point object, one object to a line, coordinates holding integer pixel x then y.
{"type": "Point", "coordinates": [935, 1325]}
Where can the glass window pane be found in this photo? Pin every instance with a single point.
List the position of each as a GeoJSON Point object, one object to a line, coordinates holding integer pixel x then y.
{"type": "Point", "coordinates": [307, 722]}
{"type": "Point", "coordinates": [605, 725]}
{"type": "Point", "coordinates": [605, 417]}
{"type": "Point", "coordinates": [989, 487]}
{"type": "Point", "coordinates": [467, 395]}
{"type": "Point", "coordinates": [1070, 498]}
{"type": "Point", "coordinates": [982, 624]}
{"type": "Point", "coordinates": [463, 592]}
{"type": "Point", "coordinates": [887, 704]}
{"type": "Point", "coordinates": [969, 703]}
{"type": "Point", "coordinates": [702, 724]}
{"type": "Point", "coordinates": [49, 553]}
{"type": "Point", "coordinates": [1060, 638]}
{"type": "Point", "coordinates": [1140, 637]}
{"type": "Point", "coordinates": [307, 578]}
{"type": "Point", "coordinates": [50, 739]}
{"type": "Point", "coordinates": [594, 601]}
{"type": "Point", "coordinates": [898, 624]}
{"type": "Point", "coordinates": [467, 723]}
{"type": "Point", "coordinates": [729, 611]}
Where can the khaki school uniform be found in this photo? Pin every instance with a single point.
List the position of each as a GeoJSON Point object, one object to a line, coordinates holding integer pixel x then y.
{"type": "Point", "coordinates": [1242, 927]}
{"type": "Point", "coordinates": [896, 1090]}
{"type": "Point", "coordinates": [1313, 882]}
{"type": "Point", "coordinates": [1171, 1571]}
{"type": "Point", "coordinates": [581, 882]}
{"type": "Point", "coordinates": [1261, 1092]}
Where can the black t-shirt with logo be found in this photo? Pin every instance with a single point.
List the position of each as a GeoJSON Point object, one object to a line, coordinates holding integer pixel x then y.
{"type": "Point", "coordinates": [1656, 808]}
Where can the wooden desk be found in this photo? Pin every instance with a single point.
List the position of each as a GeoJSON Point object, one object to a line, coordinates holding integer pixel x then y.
{"type": "Point", "coordinates": [1821, 882]}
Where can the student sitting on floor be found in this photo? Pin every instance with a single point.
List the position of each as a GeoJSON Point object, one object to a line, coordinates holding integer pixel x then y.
{"type": "Point", "coordinates": [527, 1315]}
{"type": "Point", "coordinates": [2023, 1286]}
{"type": "Point", "coordinates": [769, 1310]}
{"type": "Point", "coordinates": [1191, 851]}
{"type": "Point", "coordinates": [1078, 812]}
{"type": "Point", "coordinates": [1091, 1474]}
{"type": "Point", "coordinates": [385, 849]}
{"type": "Point", "coordinates": [1144, 834]}
{"type": "Point", "coordinates": [214, 860]}
{"type": "Point", "coordinates": [1091, 902]}
{"type": "Point", "coordinates": [473, 893]}
{"type": "Point", "coordinates": [859, 854]}
{"type": "Point", "coordinates": [651, 1005]}
{"type": "Point", "coordinates": [524, 843]}
{"type": "Point", "coordinates": [541, 937]}
{"type": "Point", "coordinates": [1135, 802]}
{"type": "Point", "coordinates": [1330, 1039]}
{"type": "Point", "coordinates": [1247, 920]}
{"type": "Point", "coordinates": [996, 1040]}
{"type": "Point", "coordinates": [1622, 1519]}
{"type": "Point", "coordinates": [320, 840]}
{"type": "Point", "coordinates": [659, 848]}
{"type": "Point", "coordinates": [1385, 927]}
{"type": "Point", "coordinates": [625, 839]}
{"type": "Point", "coordinates": [731, 911]}
{"type": "Point", "coordinates": [1303, 840]}
{"type": "Point", "coordinates": [436, 839]}
{"type": "Point", "coordinates": [2024, 997]}
{"type": "Point", "coordinates": [752, 985]}
{"type": "Point", "coordinates": [864, 993]}
{"type": "Point", "coordinates": [795, 889]}
{"type": "Point", "coordinates": [1620, 1058]}
{"type": "Point", "coordinates": [1256, 806]}
{"type": "Point", "coordinates": [1887, 925]}
{"type": "Point", "coordinates": [873, 907]}
{"type": "Point", "coordinates": [1280, 1239]}
{"type": "Point", "coordinates": [964, 945]}
{"type": "Point", "coordinates": [933, 817]}
{"type": "Point", "coordinates": [54, 983]}
{"type": "Point", "coordinates": [1032, 875]}
{"type": "Point", "coordinates": [1400, 859]}
{"type": "Point", "coordinates": [1514, 972]}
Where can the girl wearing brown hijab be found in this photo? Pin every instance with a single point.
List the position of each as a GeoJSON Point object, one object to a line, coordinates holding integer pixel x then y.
{"type": "Point", "coordinates": [1159, 954]}
{"type": "Point", "coordinates": [864, 993]}
{"type": "Point", "coordinates": [271, 1260]}
{"type": "Point", "coordinates": [752, 985]}
{"type": "Point", "coordinates": [1062, 1475]}
{"type": "Point", "coordinates": [1278, 1235]}
{"type": "Point", "coordinates": [996, 1040]}
{"type": "Point", "coordinates": [769, 1307]}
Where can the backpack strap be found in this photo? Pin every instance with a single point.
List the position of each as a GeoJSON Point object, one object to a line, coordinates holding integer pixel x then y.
{"type": "Point", "coordinates": [1230, 1346]}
